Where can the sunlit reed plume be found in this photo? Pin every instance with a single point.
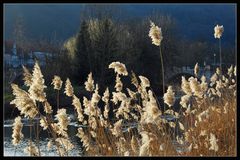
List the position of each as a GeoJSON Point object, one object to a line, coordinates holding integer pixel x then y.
{"type": "Point", "coordinates": [119, 68]}
{"type": "Point", "coordinates": [17, 131]}
{"type": "Point", "coordinates": [24, 102]}
{"type": "Point", "coordinates": [155, 34]}
{"type": "Point", "coordinates": [218, 31]}
{"type": "Point", "coordinates": [89, 84]}
{"type": "Point", "coordinates": [36, 89]}
{"type": "Point", "coordinates": [57, 82]}
{"type": "Point", "coordinates": [169, 97]}
{"type": "Point", "coordinates": [68, 88]}
{"type": "Point", "coordinates": [27, 76]}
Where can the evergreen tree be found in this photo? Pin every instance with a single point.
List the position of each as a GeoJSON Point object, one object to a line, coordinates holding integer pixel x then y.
{"type": "Point", "coordinates": [106, 47]}
{"type": "Point", "coordinates": [83, 58]}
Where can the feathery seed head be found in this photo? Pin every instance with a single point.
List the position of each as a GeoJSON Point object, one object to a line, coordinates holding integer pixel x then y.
{"type": "Point", "coordinates": [57, 82]}
{"type": "Point", "coordinates": [95, 97]}
{"type": "Point", "coordinates": [144, 82]}
{"type": "Point", "coordinates": [68, 88]}
{"type": "Point", "coordinates": [119, 68]}
{"type": "Point", "coordinates": [43, 123]}
{"type": "Point", "coordinates": [27, 76]}
{"type": "Point", "coordinates": [78, 107]}
{"type": "Point", "coordinates": [155, 33]}
{"type": "Point", "coordinates": [62, 118]}
{"type": "Point", "coordinates": [218, 71]}
{"type": "Point", "coordinates": [230, 71]}
{"type": "Point", "coordinates": [196, 70]}
{"type": "Point", "coordinates": [37, 86]}
{"type": "Point", "coordinates": [47, 108]}
{"type": "Point", "coordinates": [186, 86]}
{"type": "Point", "coordinates": [89, 84]}
{"type": "Point", "coordinates": [17, 131]}
{"type": "Point", "coordinates": [169, 97]}
{"type": "Point", "coordinates": [195, 87]}
{"type": "Point", "coordinates": [119, 84]}
{"type": "Point", "coordinates": [134, 79]}
{"type": "Point", "coordinates": [184, 101]}
{"type": "Point", "coordinates": [24, 102]}
{"type": "Point", "coordinates": [106, 96]}
{"type": "Point", "coordinates": [218, 31]}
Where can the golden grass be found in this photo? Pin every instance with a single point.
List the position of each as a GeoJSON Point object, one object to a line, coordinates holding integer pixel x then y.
{"type": "Point", "coordinates": [153, 136]}
{"type": "Point", "coordinates": [204, 126]}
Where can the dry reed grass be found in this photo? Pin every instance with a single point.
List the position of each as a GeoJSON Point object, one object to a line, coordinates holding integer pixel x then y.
{"type": "Point", "coordinates": [206, 122]}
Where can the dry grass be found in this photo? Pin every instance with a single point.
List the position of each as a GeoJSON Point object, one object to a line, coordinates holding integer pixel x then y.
{"type": "Point", "coordinates": [207, 113]}
{"type": "Point", "coordinates": [221, 121]}
{"type": "Point", "coordinates": [204, 126]}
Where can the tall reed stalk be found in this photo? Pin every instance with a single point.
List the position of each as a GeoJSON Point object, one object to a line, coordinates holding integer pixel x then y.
{"type": "Point", "coordinates": [30, 133]}
{"type": "Point", "coordinates": [163, 83]}
{"type": "Point", "coordinates": [38, 116]}
{"type": "Point", "coordinates": [58, 99]}
{"type": "Point", "coordinates": [220, 55]}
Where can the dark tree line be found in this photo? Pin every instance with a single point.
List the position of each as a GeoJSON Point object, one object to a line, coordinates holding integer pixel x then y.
{"type": "Point", "coordinates": [103, 40]}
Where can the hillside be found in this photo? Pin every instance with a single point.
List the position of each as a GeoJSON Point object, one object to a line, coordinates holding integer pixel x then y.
{"type": "Point", "coordinates": [43, 21]}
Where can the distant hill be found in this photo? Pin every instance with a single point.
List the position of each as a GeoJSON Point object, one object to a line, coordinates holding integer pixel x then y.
{"type": "Point", "coordinates": [194, 21]}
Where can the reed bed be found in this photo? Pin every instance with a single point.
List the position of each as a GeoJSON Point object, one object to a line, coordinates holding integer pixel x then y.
{"type": "Point", "coordinates": [205, 125]}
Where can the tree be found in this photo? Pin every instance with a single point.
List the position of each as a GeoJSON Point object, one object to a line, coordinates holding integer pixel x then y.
{"type": "Point", "coordinates": [83, 59]}
{"type": "Point", "coordinates": [105, 48]}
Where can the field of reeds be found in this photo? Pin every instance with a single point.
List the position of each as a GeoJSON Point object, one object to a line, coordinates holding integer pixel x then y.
{"type": "Point", "coordinates": [205, 125]}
